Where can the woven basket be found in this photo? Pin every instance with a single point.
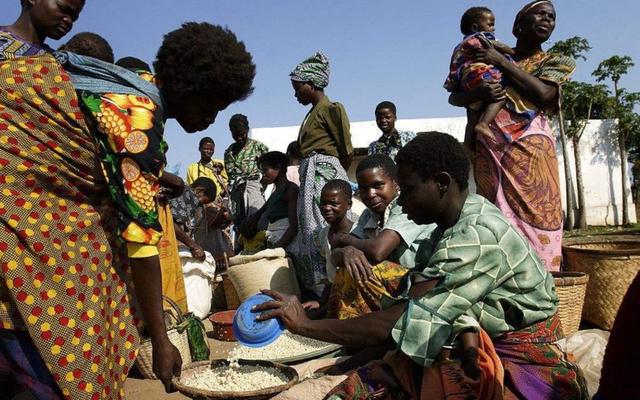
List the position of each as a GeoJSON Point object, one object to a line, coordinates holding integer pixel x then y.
{"type": "Point", "coordinates": [202, 394]}
{"type": "Point", "coordinates": [611, 266]}
{"type": "Point", "coordinates": [571, 288]}
{"type": "Point", "coordinates": [144, 362]}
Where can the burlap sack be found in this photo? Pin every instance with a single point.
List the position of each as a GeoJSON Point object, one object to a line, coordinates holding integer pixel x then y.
{"type": "Point", "coordinates": [264, 254]}
{"type": "Point", "coordinates": [274, 273]}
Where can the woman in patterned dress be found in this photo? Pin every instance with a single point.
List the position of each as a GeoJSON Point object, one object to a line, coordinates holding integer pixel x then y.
{"type": "Point", "coordinates": [517, 168]}
{"type": "Point", "coordinates": [81, 151]}
{"type": "Point", "coordinates": [325, 145]}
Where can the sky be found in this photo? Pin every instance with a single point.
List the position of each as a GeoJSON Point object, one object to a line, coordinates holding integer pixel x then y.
{"type": "Point", "coordinates": [379, 50]}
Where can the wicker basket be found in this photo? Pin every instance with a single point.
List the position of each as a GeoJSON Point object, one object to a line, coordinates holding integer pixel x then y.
{"type": "Point", "coordinates": [571, 288]}
{"type": "Point", "coordinates": [180, 339]}
{"type": "Point", "coordinates": [611, 266]}
{"type": "Point", "coordinates": [202, 394]}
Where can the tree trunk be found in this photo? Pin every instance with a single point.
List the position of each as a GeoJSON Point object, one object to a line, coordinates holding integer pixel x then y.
{"type": "Point", "coordinates": [569, 221]}
{"type": "Point", "coordinates": [623, 168]}
{"type": "Point", "coordinates": [623, 158]}
{"type": "Point", "coordinates": [582, 208]}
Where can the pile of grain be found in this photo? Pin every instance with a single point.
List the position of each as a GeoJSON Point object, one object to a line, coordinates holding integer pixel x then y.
{"type": "Point", "coordinates": [236, 378]}
{"type": "Point", "coordinates": [287, 345]}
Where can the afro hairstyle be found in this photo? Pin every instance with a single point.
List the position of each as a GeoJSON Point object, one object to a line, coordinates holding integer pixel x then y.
{"type": "Point", "coordinates": [339, 185]}
{"type": "Point", "coordinates": [205, 140]}
{"type": "Point", "coordinates": [386, 105]}
{"type": "Point", "coordinates": [90, 44]}
{"type": "Point", "coordinates": [205, 60]}
{"type": "Point", "coordinates": [274, 159]}
{"type": "Point", "coordinates": [239, 121]}
{"type": "Point", "coordinates": [207, 185]}
{"type": "Point", "coordinates": [382, 161]}
{"type": "Point", "coordinates": [133, 64]}
{"type": "Point", "coordinates": [433, 152]}
{"type": "Point", "coordinates": [470, 17]}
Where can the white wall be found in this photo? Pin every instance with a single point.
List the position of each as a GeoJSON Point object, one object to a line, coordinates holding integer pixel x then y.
{"type": "Point", "coordinates": [600, 159]}
{"type": "Point", "coordinates": [601, 173]}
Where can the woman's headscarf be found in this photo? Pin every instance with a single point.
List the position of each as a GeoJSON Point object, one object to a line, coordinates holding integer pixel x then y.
{"type": "Point", "coordinates": [523, 13]}
{"type": "Point", "coordinates": [314, 69]}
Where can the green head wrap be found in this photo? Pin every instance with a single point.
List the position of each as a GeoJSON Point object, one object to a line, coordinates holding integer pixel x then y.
{"type": "Point", "coordinates": [314, 69]}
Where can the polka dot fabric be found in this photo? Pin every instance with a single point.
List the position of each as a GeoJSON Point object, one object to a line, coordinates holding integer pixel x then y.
{"type": "Point", "coordinates": [57, 275]}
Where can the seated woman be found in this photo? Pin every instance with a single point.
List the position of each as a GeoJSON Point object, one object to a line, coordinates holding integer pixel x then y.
{"type": "Point", "coordinates": [482, 270]}
{"type": "Point", "coordinates": [381, 246]}
{"type": "Point", "coordinates": [280, 208]}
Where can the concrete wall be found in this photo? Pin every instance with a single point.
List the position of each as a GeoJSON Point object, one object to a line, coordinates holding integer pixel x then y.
{"type": "Point", "coordinates": [599, 155]}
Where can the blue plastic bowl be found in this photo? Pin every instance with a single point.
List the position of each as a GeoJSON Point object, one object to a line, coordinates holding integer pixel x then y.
{"type": "Point", "coordinates": [250, 332]}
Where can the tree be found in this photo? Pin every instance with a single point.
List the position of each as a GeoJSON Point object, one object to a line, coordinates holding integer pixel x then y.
{"type": "Point", "coordinates": [629, 120]}
{"type": "Point", "coordinates": [614, 68]}
{"type": "Point", "coordinates": [579, 99]}
{"type": "Point", "coordinates": [575, 48]}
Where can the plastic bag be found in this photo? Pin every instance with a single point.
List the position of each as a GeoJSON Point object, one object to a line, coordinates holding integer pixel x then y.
{"type": "Point", "coordinates": [587, 347]}
{"type": "Point", "coordinates": [198, 344]}
{"type": "Point", "coordinates": [198, 282]}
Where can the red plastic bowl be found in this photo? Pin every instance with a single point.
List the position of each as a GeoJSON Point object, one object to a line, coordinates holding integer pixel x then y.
{"type": "Point", "coordinates": [223, 325]}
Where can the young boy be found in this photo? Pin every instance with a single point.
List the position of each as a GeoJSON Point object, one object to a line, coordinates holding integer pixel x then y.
{"type": "Point", "coordinates": [381, 247]}
{"type": "Point", "coordinates": [478, 26]}
{"type": "Point", "coordinates": [335, 202]}
{"type": "Point", "coordinates": [392, 139]}
{"type": "Point", "coordinates": [210, 221]}
{"type": "Point", "coordinates": [207, 167]}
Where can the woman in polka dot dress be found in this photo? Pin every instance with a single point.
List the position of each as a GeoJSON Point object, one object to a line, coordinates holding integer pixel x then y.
{"type": "Point", "coordinates": [79, 163]}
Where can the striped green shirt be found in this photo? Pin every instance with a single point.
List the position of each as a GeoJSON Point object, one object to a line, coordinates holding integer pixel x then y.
{"type": "Point", "coordinates": [489, 274]}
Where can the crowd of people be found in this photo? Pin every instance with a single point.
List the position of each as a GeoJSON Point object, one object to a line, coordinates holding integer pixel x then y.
{"type": "Point", "coordinates": [435, 291]}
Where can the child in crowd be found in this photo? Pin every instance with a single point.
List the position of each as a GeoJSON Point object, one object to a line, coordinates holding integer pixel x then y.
{"type": "Point", "coordinates": [207, 167]}
{"type": "Point", "coordinates": [335, 202]}
{"type": "Point", "coordinates": [90, 44]}
{"type": "Point", "coordinates": [211, 218]}
{"type": "Point", "coordinates": [478, 27]}
{"type": "Point", "coordinates": [392, 139]}
{"type": "Point", "coordinates": [251, 242]}
{"type": "Point", "coordinates": [240, 160]}
{"type": "Point", "coordinates": [380, 248]}
{"type": "Point", "coordinates": [280, 208]}
{"type": "Point", "coordinates": [293, 152]}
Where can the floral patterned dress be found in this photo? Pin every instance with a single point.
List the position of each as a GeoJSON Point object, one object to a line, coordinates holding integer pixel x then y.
{"type": "Point", "coordinates": [517, 168]}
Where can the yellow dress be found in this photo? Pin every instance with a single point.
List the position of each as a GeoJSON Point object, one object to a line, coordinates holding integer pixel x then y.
{"type": "Point", "coordinates": [170, 265]}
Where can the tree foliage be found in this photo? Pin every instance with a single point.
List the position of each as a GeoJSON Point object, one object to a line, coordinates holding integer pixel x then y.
{"type": "Point", "coordinates": [613, 68]}
{"type": "Point", "coordinates": [574, 47]}
{"type": "Point", "coordinates": [628, 119]}
{"type": "Point", "coordinates": [579, 101]}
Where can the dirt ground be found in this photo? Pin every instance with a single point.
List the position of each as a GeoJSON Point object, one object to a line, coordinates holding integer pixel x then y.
{"type": "Point", "coordinates": [138, 388]}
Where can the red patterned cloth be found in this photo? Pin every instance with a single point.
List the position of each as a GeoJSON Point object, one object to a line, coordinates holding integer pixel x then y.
{"type": "Point", "coordinates": [58, 279]}
{"type": "Point", "coordinates": [526, 364]}
{"type": "Point", "coordinates": [517, 168]}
